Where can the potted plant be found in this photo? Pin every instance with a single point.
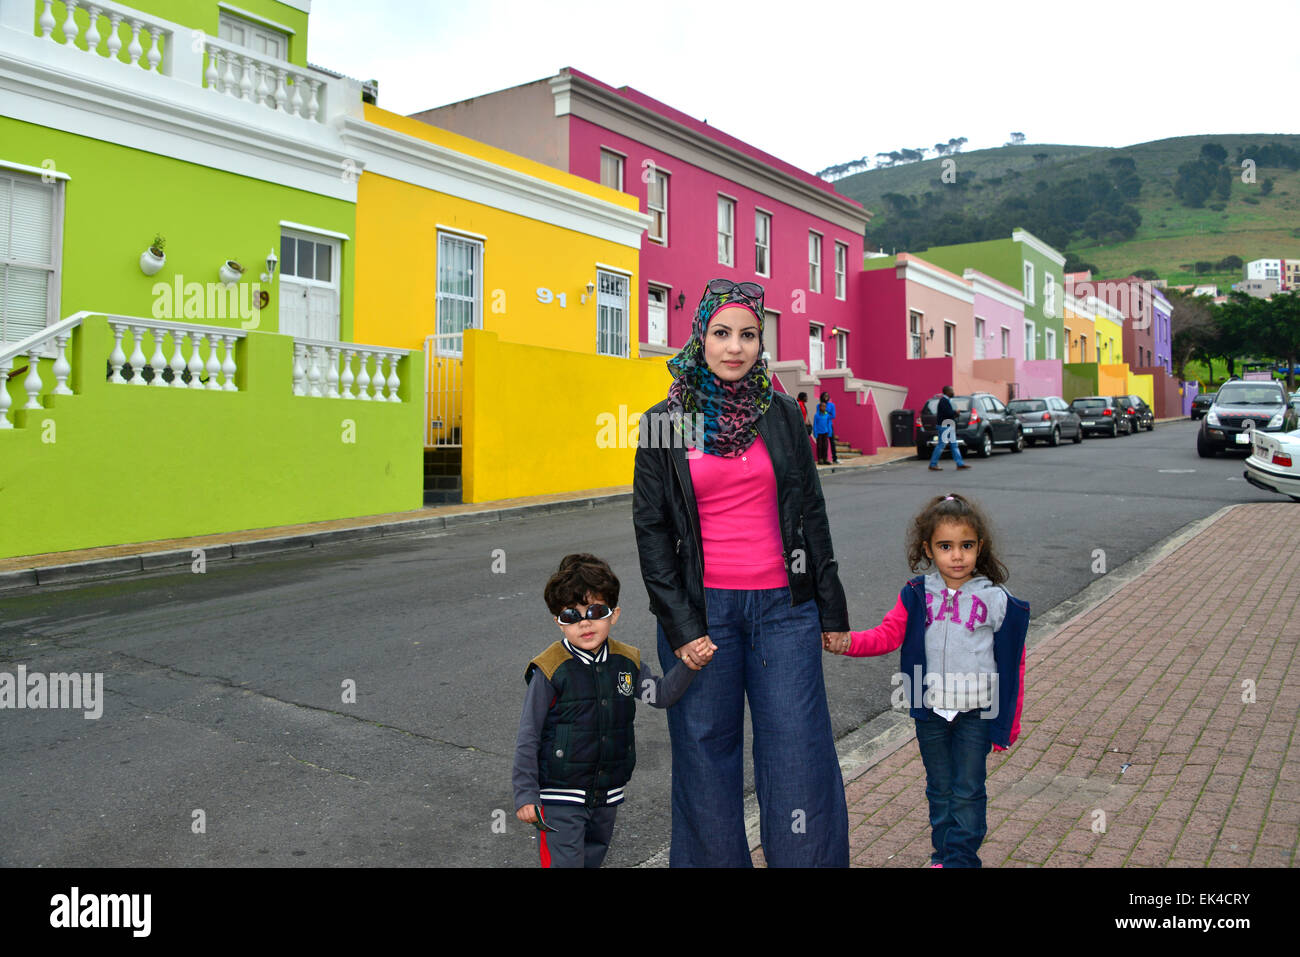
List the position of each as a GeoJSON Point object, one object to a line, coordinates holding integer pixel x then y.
{"type": "Point", "coordinates": [231, 271]}
{"type": "Point", "coordinates": [153, 258]}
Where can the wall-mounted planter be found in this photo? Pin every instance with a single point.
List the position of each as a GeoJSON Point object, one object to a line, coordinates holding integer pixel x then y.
{"type": "Point", "coordinates": [151, 263]}
{"type": "Point", "coordinates": [231, 272]}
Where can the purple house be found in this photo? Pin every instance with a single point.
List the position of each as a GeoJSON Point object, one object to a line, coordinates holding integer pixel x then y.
{"type": "Point", "coordinates": [719, 207]}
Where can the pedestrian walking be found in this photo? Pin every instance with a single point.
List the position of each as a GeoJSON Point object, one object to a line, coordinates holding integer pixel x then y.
{"type": "Point", "coordinates": [575, 750]}
{"type": "Point", "coordinates": [962, 664]}
{"type": "Point", "coordinates": [736, 552]}
{"type": "Point", "coordinates": [946, 422]}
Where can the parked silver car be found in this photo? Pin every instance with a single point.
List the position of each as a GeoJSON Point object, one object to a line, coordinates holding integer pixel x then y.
{"type": "Point", "coordinates": [1047, 419]}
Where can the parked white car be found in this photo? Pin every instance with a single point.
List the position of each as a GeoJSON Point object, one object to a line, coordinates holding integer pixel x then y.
{"type": "Point", "coordinates": [1274, 462]}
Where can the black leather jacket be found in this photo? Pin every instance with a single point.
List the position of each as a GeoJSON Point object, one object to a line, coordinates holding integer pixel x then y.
{"type": "Point", "coordinates": [667, 525]}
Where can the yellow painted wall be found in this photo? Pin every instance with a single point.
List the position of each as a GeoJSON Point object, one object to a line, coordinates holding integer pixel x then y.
{"type": "Point", "coordinates": [1110, 332]}
{"type": "Point", "coordinates": [532, 427]}
{"type": "Point", "coordinates": [396, 256]}
{"type": "Point", "coordinates": [1141, 385]}
{"type": "Point", "coordinates": [1112, 379]}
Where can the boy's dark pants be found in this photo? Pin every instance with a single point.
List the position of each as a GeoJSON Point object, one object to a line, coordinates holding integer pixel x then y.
{"type": "Point", "coordinates": [581, 837]}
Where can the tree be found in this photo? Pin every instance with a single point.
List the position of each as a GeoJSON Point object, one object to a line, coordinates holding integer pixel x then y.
{"type": "Point", "coordinates": [1213, 152]}
{"type": "Point", "coordinates": [1266, 187]}
{"type": "Point", "coordinates": [1017, 139]}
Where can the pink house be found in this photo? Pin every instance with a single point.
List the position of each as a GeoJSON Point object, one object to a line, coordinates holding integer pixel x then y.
{"type": "Point", "coordinates": [720, 207]}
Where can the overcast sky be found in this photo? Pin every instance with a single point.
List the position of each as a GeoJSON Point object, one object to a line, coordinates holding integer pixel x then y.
{"type": "Point", "coordinates": [817, 84]}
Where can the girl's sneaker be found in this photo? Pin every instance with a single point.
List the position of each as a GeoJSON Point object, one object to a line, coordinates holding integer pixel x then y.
{"type": "Point", "coordinates": [936, 865]}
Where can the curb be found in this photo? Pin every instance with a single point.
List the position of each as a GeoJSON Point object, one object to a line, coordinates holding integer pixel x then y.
{"type": "Point", "coordinates": [13, 582]}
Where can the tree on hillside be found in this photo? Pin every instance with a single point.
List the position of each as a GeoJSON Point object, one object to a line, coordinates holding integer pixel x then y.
{"type": "Point", "coordinates": [1017, 139]}
{"type": "Point", "coordinates": [1266, 187]}
{"type": "Point", "coordinates": [1268, 327]}
{"type": "Point", "coordinates": [1194, 334]}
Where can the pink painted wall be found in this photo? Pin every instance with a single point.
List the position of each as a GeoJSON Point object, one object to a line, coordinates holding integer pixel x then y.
{"type": "Point", "coordinates": [1038, 377]}
{"type": "Point", "coordinates": [996, 315]}
{"type": "Point", "coordinates": [690, 258]}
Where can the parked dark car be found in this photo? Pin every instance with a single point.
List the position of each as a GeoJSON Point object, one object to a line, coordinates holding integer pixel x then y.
{"type": "Point", "coordinates": [1138, 412]}
{"type": "Point", "coordinates": [1047, 419]}
{"type": "Point", "coordinates": [1201, 404]}
{"type": "Point", "coordinates": [1100, 414]}
{"type": "Point", "coordinates": [982, 423]}
{"type": "Point", "coordinates": [1240, 406]}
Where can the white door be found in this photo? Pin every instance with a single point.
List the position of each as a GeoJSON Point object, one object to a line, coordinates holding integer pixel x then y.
{"type": "Point", "coordinates": [309, 286]}
{"type": "Point", "coordinates": [657, 316]}
{"type": "Point", "coordinates": [979, 338]}
{"type": "Point", "coordinates": [816, 350]}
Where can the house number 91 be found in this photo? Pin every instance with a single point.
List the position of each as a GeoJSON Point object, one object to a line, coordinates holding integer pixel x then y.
{"type": "Point", "coordinates": [545, 295]}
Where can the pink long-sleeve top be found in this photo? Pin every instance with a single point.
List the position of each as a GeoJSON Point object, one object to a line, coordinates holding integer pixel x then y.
{"type": "Point", "coordinates": [739, 521]}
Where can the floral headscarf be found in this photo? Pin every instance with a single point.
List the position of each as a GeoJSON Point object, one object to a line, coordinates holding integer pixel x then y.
{"type": "Point", "coordinates": [729, 411]}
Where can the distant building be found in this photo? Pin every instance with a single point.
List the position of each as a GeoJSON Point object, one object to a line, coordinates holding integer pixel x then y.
{"type": "Point", "coordinates": [1259, 288]}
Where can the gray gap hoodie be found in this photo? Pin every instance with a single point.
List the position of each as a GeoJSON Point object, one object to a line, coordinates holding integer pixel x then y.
{"type": "Point", "coordinates": [961, 671]}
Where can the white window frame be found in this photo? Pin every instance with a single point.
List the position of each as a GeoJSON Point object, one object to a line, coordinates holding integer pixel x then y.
{"type": "Point", "coordinates": [726, 230]}
{"type": "Point", "coordinates": [475, 299]}
{"type": "Point", "coordinates": [816, 347]}
{"type": "Point", "coordinates": [1006, 342]}
{"type": "Point", "coordinates": [980, 347]}
{"type": "Point", "coordinates": [255, 31]}
{"type": "Point", "coordinates": [1031, 333]}
{"type": "Point", "coordinates": [618, 158]}
{"type": "Point", "coordinates": [949, 338]}
{"type": "Point", "coordinates": [1049, 343]}
{"type": "Point", "coordinates": [915, 334]}
{"type": "Point", "coordinates": [613, 340]}
{"type": "Point", "coordinates": [657, 176]}
{"type": "Point", "coordinates": [53, 267]}
{"type": "Point", "coordinates": [841, 270]}
{"type": "Point", "coordinates": [841, 348]}
{"type": "Point", "coordinates": [762, 243]}
{"type": "Point", "coordinates": [1049, 295]}
{"type": "Point", "coordinates": [814, 261]}
{"type": "Point", "coordinates": [1029, 284]}
{"type": "Point", "coordinates": [1066, 357]}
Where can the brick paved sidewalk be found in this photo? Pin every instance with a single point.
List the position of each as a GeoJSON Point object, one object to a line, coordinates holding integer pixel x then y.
{"type": "Point", "coordinates": [1152, 678]}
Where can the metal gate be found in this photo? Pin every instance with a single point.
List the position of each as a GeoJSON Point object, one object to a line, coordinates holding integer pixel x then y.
{"type": "Point", "coordinates": [444, 385]}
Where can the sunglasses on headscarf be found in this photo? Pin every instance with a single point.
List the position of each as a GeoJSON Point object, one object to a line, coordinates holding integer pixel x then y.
{"type": "Point", "coordinates": [750, 290]}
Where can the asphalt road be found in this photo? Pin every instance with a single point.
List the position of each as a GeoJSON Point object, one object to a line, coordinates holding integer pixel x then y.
{"type": "Point", "coordinates": [224, 691]}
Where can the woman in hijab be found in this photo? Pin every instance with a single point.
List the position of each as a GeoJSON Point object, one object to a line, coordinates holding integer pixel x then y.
{"type": "Point", "coordinates": [736, 554]}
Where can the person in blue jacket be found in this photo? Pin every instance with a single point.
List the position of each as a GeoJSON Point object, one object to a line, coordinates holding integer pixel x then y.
{"type": "Point", "coordinates": [821, 431]}
{"type": "Point", "coordinates": [830, 407]}
{"type": "Point", "coordinates": [962, 671]}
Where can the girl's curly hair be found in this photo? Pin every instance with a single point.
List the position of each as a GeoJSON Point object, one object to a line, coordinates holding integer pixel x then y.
{"type": "Point", "coordinates": [954, 508]}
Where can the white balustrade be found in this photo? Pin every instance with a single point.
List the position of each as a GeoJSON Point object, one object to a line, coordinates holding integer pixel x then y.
{"type": "Point", "coordinates": [317, 372]}
{"type": "Point", "coordinates": [187, 354]}
{"type": "Point", "coordinates": [34, 347]}
{"type": "Point", "coordinates": [159, 35]}
{"type": "Point", "coordinates": [239, 73]}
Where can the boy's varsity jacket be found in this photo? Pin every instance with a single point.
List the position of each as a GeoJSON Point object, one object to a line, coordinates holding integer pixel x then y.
{"type": "Point", "coordinates": [575, 743]}
{"type": "Point", "coordinates": [924, 602]}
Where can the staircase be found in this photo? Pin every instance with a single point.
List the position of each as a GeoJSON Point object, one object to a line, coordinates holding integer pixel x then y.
{"type": "Point", "coordinates": [442, 475]}
{"type": "Point", "coordinates": [845, 451]}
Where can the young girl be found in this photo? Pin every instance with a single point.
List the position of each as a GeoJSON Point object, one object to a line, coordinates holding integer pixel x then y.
{"type": "Point", "coordinates": [963, 666]}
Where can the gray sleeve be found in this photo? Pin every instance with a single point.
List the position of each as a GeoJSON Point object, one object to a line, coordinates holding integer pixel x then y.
{"type": "Point", "coordinates": [524, 776]}
{"type": "Point", "coordinates": [663, 692]}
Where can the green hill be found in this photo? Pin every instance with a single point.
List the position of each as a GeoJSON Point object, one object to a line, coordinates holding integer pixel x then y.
{"type": "Point", "coordinates": [993, 186]}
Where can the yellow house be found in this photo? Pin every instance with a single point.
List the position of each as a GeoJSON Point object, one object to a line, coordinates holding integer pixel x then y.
{"type": "Point", "coordinates": [1108, 332]}
{"type": "Point", "coordinates": [517, 280]}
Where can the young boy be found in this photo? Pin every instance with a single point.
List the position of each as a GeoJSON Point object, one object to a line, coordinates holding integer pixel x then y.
{"type": "Point", "coordinates": [575, 750]}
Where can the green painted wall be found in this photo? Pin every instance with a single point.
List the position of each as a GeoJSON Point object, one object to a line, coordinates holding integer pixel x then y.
{"type": "Point", "coordinates": [116, 463]}
{"type": "Point", "coordinates": [1078, 378]}
{"type": "Point", "coordinates": [196, 14]}
{"type": "Point", "coordinates": [118, 198]}
{"type": "Point", "coordinates": [1004, 260]}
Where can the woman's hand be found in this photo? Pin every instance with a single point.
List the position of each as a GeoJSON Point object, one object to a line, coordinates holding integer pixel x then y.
{"type": "Point", "coordinates": [697, 653]}
{"type": "Point", "coordinates": [836, 642]}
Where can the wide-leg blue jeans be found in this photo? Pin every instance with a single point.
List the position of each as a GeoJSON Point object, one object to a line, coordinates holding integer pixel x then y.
{"type": "Point", "coordinates": [772, 653]}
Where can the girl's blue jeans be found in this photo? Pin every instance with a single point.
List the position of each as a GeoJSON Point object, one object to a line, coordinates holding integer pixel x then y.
{"type": "Point", "coordinates": [771, 653]}
{"type": "Point", "coordinates": [954, 753]}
